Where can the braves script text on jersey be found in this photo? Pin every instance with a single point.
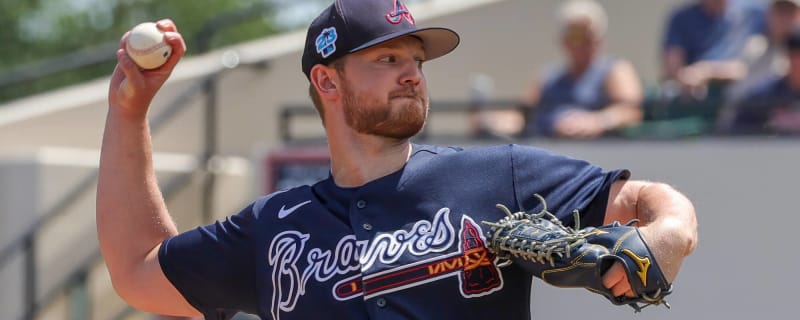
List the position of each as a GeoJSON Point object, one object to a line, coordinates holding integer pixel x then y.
{"type": "Point", "coordinates": [409, 245]}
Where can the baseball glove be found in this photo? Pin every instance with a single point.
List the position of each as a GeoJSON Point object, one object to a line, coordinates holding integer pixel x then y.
{"type": "Point", "coordinates": [570, 257]}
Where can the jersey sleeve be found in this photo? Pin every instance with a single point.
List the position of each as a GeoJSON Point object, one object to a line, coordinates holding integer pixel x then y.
{"type": "Point", "coordinates": [567, 184]}
{"type": "Point", "coordinates": [213, 266]}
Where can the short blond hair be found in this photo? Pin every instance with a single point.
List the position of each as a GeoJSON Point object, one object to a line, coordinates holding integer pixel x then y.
{"type": "Point", "coordinates": [576, 10]}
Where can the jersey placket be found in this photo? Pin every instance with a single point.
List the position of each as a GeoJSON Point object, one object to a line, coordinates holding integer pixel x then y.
{"type": "Point", "coordinates": [360, 220]}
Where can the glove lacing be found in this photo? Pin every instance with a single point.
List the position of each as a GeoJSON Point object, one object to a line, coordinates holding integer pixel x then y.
{"type": "Point", "coordinates": [564, 237]}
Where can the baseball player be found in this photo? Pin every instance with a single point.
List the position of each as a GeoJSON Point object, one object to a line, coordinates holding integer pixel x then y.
{"type": "Point", "coordinates": [395, 232]}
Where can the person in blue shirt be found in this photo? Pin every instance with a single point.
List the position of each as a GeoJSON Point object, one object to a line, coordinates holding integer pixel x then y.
{"type": "Point", "coordinates": [394, 232]}
{"type": "Point", "coordinates": [704, 41]}
{"type": "Point", "coordinates": [591, 94]}
{"type": "Point", "coordinates": [773, 107]}
{"type": "Point", "coordinates": [765, 56]}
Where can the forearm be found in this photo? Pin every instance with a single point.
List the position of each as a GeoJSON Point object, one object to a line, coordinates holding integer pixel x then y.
{"type": "Point", "coordinates": [668, 223]}
{"type": "Point", "coordinates": [131, 214]}
{"type": "Point", "coordinates": [725, 70]}
{"type": "Point", "coordinates": [624, 90]}
{"type": "Point", "coordinates": [620, 115]}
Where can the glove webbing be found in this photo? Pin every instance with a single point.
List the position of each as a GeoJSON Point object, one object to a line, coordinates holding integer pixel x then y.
{"type": "Point", "coordinates": [565, 238]}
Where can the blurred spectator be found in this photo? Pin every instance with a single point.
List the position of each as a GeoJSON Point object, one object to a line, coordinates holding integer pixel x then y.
{"type": "Point", "coordinates": [486, 119]}
{"type": "Point", "coordinates": [774, 106]}
{"type": "Point", "coordinates": [704, 41]}
{"type": "Point", "coordinates": [591, 94]}
{"type": "Point", "coordinates": [765, 56]}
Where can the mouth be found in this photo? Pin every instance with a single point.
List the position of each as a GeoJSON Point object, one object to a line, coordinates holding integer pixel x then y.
{"type": "Point", "coordinates": [407, 95]}
{"type": "Point", "coordinates": [405, 92]}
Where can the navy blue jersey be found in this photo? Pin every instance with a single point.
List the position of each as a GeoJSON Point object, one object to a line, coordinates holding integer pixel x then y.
{"type": "Point", "coordinates": [409, 245]}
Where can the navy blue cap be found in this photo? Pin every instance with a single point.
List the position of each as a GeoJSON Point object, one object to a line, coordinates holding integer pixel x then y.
{"type": "Point", "coordinates": [348, 26]}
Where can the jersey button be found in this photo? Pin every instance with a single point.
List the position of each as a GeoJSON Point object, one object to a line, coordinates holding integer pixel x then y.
{"type": "Point", "coordinates": [361, 204]}
{"type": "Point", "coordinates": [367, 226]}
{"type": "Point", "coordinates": [381, 302]}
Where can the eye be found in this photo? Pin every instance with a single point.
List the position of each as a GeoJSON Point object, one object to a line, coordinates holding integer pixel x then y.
{"type": "Point", "coordinates": [388, 59]}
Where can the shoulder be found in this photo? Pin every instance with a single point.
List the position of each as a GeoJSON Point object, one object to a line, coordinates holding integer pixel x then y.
{"type": "Point", "coordinates": [552, 73]}
{"type": "Point", "coordinates": [685, 12]}
{"type": "Point", "coordinates": [511, 152]}
{"type": "Point", "coordinates": [620, 66]}
{"type": "Point", "coordinates": [754, 7]}
{"type": "Point", "coordinates": [427, 149]}
{"type": "Point", "coordinates": [481, 153]}
{"type": "Point", "coordinates": [267, 202]}
{"type": "Point", "coordinates": [512, 148]}
{"type": "Point", "coordinates": [450, 153]}
{"type": "Point", "coordinates": [606, 62]}
{"type": "Point", "coordinates": [457, 159]}
{"type": "Point", "coordinates": [528, 152]}
{"type": "Point", "coordinates": [751, 14]}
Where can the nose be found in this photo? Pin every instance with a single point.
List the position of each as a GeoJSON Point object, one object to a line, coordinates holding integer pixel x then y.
{"type": "Point", "coordinates": [412, 74]}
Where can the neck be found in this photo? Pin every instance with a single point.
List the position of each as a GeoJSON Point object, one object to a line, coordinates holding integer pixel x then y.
{"type": "Point", "coordinates": [576, 69]}
{"type": "Point", "coordinates": [359, 158]}
{"type": "Point", "coordinates": [714, 9]}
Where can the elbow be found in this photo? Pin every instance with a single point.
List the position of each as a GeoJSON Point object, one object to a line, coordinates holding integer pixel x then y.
{"type": "Point", "coordinates": [690, 236]}
{"type": "Point", "coordinates": [121, 287]}
{"type": "Point", "coordinates": [683, 233]}
{"type": "Point", "coordinates": [686, 220]}
{"type": "Point", "coordinates": [124, 285]}
{"type": "Point", "coordinates": [683, 212]}
{"type": "Point", "coordinates": [633, 115]}
{"type": "Point", "coordinates": [131, 292]}
{"type": "Point", "coordinates": [121, 270]}
{"type": "Point", "coordinates": [129, 286]}
{"type": "Point", "coordinates": [676, 216]}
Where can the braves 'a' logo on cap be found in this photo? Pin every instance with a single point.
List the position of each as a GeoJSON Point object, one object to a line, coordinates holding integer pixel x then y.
{"type": "Point", "coordinates": [326, 42]}
{"type": "Point", "coordinates": [400, 11]}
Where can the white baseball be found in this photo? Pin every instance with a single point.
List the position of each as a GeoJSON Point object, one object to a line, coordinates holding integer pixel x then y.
{"type": "Point", "coordinates": [146, 46]}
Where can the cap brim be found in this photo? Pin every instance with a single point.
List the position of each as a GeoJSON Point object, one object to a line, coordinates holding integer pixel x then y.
{"type": "Point", "coordinates": [436, 41]}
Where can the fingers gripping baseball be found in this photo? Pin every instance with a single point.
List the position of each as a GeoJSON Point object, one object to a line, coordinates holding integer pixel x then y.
{"type": "Point", "coordinates": [132, 88]}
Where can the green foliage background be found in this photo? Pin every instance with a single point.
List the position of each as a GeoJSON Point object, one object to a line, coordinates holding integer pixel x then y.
{"type": "Point", "coordinates": [36, 31]}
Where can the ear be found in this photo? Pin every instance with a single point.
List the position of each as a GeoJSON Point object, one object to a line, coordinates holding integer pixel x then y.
{"type": "Point", "coordinates": [325, 80]}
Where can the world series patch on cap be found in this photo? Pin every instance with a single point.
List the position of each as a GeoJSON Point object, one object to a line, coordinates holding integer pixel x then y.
{"type": "Point", "coordinates": [348, 26]}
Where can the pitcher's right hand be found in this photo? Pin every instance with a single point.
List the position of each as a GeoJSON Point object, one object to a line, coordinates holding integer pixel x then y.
{"type": "Point", "coordinates": [132, 89]}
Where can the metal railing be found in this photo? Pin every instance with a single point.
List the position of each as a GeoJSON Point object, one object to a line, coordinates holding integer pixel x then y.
{"type": "Point", "coordinates": [82, 58]}
{"type": "Point", "coordinates": [289, 112]}
{"type": "Point", "coordinates": [664, 118]}
{"type": "Point", "coordinates": [27, 242]}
